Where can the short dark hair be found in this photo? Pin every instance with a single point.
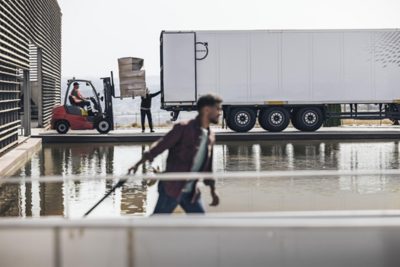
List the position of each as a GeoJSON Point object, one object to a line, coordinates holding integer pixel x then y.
{"type": "Point", "coordinates": [208, 100]}
{"type": "Point", "coordinates": [76, 83]}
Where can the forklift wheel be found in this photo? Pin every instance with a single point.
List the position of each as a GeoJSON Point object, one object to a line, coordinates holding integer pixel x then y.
{"type": "Point", "coordinates": [62, 127]}
{"type": "Point", "coordinates": [103, 126]}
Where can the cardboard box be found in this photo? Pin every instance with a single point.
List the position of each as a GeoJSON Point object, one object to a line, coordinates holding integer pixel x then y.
{"type": "Point", "coordinates": [132, 80]}
{"type": "Point", "coordinates": [130, 74]}
{"type": "Point", "coordinates": [130, 60]}
{"type": "Point", "coordinates": [133, 90]}
{"type": "Point", "coordinates": [133, 83]}
{"type": "Point", "coordinates": [130, 64]}
{"type": "Point", "coordinates": [132, 93]}
{"type": "Point", "coordinates": [125, 80]}
{"type": "Point", "coordinates": [130, 86]}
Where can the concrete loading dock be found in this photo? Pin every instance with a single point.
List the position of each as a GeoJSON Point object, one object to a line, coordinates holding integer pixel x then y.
{"type": "Point", "coordinates": [337, 133]}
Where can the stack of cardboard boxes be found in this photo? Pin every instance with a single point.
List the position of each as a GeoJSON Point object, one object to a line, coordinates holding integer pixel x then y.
{"type": "Point", "coordinates": [132, 79]}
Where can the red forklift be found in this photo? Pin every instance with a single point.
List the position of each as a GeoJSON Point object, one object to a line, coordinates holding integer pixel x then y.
{"type": "Point", "coordinates": [70, 116]}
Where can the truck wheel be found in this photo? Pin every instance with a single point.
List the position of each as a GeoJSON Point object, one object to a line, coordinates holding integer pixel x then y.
{"type": "Point", "coordinates": [308, 119]}
{"type": "Point", "coordinates": [294, 119]}
{"type": "Point", "coordinates": [294, 123]}
{"type": "Point", "coordinates": [103, 126]}
{"type": "Point", "coordinates": [242, 119]}
{"type": "Point", "coordinates": [62, 127]}
{"type": "Point", "coordinates": [274, 119]}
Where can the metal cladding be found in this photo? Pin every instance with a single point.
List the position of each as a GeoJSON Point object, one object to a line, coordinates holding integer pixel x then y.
{"type": "Point", "coordinates": [30, 63]}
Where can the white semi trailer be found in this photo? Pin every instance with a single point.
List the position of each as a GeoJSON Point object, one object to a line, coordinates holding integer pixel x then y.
{"type": "Point", "coordinates": [280, 76]}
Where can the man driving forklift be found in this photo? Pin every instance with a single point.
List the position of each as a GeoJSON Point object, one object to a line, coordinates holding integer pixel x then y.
{"type": "Point", "coordinates": [76, 98]}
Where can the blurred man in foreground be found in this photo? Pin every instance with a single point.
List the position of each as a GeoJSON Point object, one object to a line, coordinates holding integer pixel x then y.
{"type": "Point", "coordinates": [190, 146]}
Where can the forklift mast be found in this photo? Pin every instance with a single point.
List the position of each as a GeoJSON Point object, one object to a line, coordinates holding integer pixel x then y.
{"type": "Point", "coordinates": [109, 93]}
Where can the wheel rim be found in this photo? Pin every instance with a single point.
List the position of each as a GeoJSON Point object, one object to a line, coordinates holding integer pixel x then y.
{"type": "Point", "coordinates": [242, 118]}
{"type": "Point", "coordinates": [276, 118]}
{"type": "Point", "coordinates": [62, 127]}
{"type": "Point", "coordinates": [310, 118]}
{"type": "Point", "coordinates": [103, 125]}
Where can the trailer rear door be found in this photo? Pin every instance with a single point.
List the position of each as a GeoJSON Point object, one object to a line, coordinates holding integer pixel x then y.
{"type": "Point", "coordinates": [178, 65]}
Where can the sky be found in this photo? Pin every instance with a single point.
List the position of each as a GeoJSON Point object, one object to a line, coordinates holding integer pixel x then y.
{"type": "Point", "coordinates": [95, 33]}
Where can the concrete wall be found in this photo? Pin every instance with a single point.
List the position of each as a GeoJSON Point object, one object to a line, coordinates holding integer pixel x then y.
{"type": "Point", "coordinates": [280, 239]}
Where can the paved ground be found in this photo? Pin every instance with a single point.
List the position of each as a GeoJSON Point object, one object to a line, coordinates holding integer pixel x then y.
{"type": "Point", "coordinates": [16, 157]}
{"type": "Point", "coordinates": [257, 134]}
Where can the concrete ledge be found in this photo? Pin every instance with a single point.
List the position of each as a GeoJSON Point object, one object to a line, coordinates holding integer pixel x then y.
{"type": "Point", "coordinates": [17, 157]}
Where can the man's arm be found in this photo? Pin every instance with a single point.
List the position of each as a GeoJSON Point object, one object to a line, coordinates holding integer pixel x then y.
{"type": "Point", "coordinates": [155, 94]}
{"type": "Point", "coordinates": [164, 143]}
{"type": "Point", "coordinates": [76, 99]}
{"type": "Point", "coordinates": [211, 184]}
{"type": "Point", "coordinates": [80, 96]}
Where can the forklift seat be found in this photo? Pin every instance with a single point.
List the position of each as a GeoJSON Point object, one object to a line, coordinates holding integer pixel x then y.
{"type": "Point", "coordinates": [74, 110]}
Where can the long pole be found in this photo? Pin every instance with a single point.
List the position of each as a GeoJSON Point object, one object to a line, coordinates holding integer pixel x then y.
{"type": "Point", "coordinates": [119, 184]}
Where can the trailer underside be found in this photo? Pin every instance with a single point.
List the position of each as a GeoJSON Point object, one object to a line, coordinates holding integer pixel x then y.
{"type": "Point", "coordinates": [276, 118]}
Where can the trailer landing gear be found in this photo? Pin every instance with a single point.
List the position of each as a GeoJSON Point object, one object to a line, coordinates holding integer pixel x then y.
{"type": "Point", "coordinates": [174, 115]}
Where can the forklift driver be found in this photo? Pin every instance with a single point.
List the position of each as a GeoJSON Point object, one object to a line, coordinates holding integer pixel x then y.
{"type": "Point", "coordinates": [76, 98]}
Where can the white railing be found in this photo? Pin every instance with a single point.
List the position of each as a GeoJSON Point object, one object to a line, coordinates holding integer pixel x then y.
{"type": "Point", "coordinates": [281, 239]}
{"type": "Point", "coordinates": [204, 175]}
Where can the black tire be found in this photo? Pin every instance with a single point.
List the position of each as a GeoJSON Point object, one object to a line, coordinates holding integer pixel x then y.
{"type": "Point", "coordinates": [103, 126]}
{"type": "Point", "coordinates": [294, 119]}
{"type": "Point", "coordinates": [309, 119]}
{"type": "Point", "coordinates": [274, 119]}
{"type": "Point", "coordinates": [242, 119]}
{"type": "Point", "coordinates": [294, 123]}
{"type": "Point", "coordinates": [62, 127]}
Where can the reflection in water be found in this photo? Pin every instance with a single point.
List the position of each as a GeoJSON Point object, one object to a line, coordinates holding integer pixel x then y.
{"type": "Point", "coordinates": [309, 193]}
{"type": "Point", "coordinates": [38, 199]}
{"type": "Point", "coordinates": [72, 199]}
{"type": "Point", "coordinates": [266, 156]}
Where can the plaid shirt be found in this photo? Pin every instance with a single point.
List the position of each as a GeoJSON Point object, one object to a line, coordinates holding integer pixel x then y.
{"type": "Point", "coordinates": [183, 143]}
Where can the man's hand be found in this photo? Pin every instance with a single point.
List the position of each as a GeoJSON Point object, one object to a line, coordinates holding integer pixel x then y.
{"type": "Point", "coordinates": [196, 195]}
{"type": "Point", "coordinates": [134, 168]}
{"type": "Point", "coordinates": [215, 198]}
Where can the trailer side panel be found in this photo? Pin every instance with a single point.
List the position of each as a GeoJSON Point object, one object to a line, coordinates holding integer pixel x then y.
{"type": "Point", "coordinates": [301, 67]}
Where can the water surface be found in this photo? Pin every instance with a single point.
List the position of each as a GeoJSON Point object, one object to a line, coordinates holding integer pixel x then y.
{"type": "Point", "coordinates": [72, 199]}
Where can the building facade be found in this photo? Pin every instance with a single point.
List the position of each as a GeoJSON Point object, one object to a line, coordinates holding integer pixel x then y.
{"type": "Point", "coordinates": [30, 65]}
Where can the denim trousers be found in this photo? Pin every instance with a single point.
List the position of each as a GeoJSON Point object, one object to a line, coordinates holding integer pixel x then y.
{"type": "Point", "coordinates": [167, 204]}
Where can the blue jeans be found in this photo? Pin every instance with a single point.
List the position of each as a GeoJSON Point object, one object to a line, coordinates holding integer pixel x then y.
{"type": "Point", "coordinates": [167, 204]}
